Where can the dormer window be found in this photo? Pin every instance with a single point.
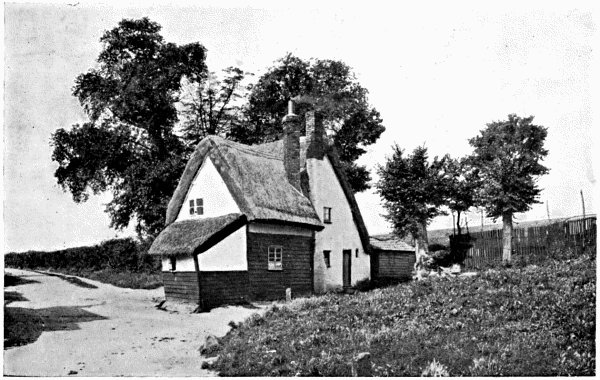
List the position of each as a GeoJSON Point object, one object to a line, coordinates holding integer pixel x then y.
{"type": "Point", "coordinates": [197, 206]}
{"type": "Point", "coordinates": [326, 214]}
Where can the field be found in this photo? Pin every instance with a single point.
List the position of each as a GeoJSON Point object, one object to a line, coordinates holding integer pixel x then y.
{"type": "Point", "coordinates": [533, 320]}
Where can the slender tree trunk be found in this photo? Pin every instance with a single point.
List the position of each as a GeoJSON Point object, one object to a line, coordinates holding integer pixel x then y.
{"type": "Point", "coordinates": [458, 222]}
{"type": "Point", "coordinates": [421, 248]}
{"type": "Point", "coordinates": [507, 229]}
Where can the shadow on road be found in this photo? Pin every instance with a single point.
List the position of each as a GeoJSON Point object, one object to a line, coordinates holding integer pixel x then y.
{"type": "Point", "coordinates": [24, 326]}
{"type": "Point", "coordinates": [12, 280]}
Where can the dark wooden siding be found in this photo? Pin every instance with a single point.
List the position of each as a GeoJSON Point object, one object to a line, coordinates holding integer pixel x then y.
{"type": "Point", "coordinates": [220, 288]}
{"type": "Point", "coordinates": [394, 264]}
{"type": "Point", "coordinates": [297, 262]}
{"type": "Point", "coordinates": [181, 286]}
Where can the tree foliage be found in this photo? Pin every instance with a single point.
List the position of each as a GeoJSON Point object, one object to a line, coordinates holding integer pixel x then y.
{"type": "Point", "coordinates": [213, 106]}
{"type": "Point", "coordinates": [507, 156]}
{"type": "Point", "coordinates": [129, 145]}
{"type": "Point", "coordinates": [413, 190]}
{"type": "Point", "coordinates": [462, 182]}
{"type": "Point", "coordinates": [326, 85]}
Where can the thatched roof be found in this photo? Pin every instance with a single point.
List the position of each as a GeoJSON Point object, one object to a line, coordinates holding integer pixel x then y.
{"type": "Point", "coordinates": [194, 236]}
{"type": "Point", "coordinates": [390, 244]}
{"type": "Point", "coordinates": [255, 176]}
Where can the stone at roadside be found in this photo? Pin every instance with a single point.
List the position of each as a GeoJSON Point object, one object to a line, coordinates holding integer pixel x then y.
{"type": "Point", "coordinates": [211, 345]}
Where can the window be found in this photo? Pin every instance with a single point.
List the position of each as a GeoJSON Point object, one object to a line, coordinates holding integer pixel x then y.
{"type": "Point", "coordinates": [200, 206]}
{"type": "Point", "coordinates": [173, 262]}
{"type": "Point", "coordinates": [356, 252]}
{"type": "Point", "coordinates": [326, 255]}
{"type": "Point", "coordinates": [326, 214]}
{"type": "Point", "coordinates": [275, 256]}
{"type": "Point", "coordinates": [197, 207]}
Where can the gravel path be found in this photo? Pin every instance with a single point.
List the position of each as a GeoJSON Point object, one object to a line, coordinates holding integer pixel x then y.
{"type": "Point", "coordinates": [109, 331]}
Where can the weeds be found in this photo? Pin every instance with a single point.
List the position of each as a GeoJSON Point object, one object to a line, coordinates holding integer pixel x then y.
{"type": "Point", "coordinates": [532, 320]}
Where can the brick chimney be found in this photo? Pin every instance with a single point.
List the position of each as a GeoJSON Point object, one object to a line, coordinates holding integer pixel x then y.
{"type": "Point", "coordinates": [315, 135]}
{"type": "Point", "coordinates": [291, 146]}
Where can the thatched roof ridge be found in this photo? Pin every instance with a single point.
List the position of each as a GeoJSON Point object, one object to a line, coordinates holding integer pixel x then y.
{"type": "Point", "coordinates": [256, 179]}
{"type": "Point", "coordinates": [194, 236]}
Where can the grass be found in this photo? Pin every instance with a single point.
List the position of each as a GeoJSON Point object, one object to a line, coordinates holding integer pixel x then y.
{"type": "Point", "coordinates": [535, 320]}
{"type": "Point", "coordinates": [122, 279]}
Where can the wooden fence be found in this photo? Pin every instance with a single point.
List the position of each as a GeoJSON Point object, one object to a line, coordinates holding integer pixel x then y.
{"type": "Point", "coordinates": [537, 240]}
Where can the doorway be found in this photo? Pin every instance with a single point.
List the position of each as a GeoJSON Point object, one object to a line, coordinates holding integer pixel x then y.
{"type": "Point", "coordinates": [346, 270]}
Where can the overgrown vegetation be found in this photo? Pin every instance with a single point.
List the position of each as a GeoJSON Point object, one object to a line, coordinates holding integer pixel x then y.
{"type": "Point", "coordinates": [530, 320]}
{"type": "Point", "coordinates": [120, 262]}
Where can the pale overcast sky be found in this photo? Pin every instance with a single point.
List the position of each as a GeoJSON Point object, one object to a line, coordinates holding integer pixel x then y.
{"type": "Point", "coordinates": [437, 72]}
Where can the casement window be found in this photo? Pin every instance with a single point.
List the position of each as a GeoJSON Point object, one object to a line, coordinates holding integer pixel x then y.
{"type": "Point", "coordinates": [356, 252]}
{"type": "Point", "coordinates": [326, 256]}
{"type": "Point", "coordinates": [326, 214]}
{"type": "Point", "coordinates": [275, 257]}
{"type": "Point", "coordinates": [173, 263]}
{"type": "Point", "coordinates": [197, 206]}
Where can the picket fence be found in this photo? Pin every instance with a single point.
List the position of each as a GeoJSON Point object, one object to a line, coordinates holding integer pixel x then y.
{"type": "Point", "coordinates": [536, 240]}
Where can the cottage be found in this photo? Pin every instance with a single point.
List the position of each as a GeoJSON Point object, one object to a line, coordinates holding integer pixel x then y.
{"type": "Point", "coordinates": [391, 258]}
{"type": "Point", "coordinates": [246, 222]}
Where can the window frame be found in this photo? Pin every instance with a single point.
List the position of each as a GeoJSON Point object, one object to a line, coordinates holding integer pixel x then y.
{"type": "Point", "coordinates": [192, 207]}
{"type": "Point", "coordinates": [199, 206]}
{"type": "Point", "coordinates": [274, 264]}
{"type": "Point", "coordinates": [327, 215]}
{"type": "Point", "coordinates": [172, 263]}
{"type": "Point", "coordinates": [327, 258]}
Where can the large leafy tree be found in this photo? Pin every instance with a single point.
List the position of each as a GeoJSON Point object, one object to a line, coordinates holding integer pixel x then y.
{"type": "Point", "coordinates": [326, 85]}
{"type": "Point", "coordinates": [213, 106]}
{"type": "Point", "coordinates": [507, 155]}
{"type": "Point", "coordinates": [128, 146]}
{"type": "Point", "coordinates": [413, 191]}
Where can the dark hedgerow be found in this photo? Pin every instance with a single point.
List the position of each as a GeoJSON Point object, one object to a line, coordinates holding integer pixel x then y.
{"type": "Point", "coordinates": [121, 262]}
{"type": "Point", "coordinates": [520, 321]}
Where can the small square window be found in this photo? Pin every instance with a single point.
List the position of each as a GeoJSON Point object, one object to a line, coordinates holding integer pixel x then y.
{"type": "Point", "coordinates": [326, 255]}
{"type": "Point", "coordinates": [200, 206]}
{"type": "Point", "coordinates": [192, 207]}
{"type": "Point", "coordinates": [326, 214]}
{"type": "Point", "coordinates": [173, 262]}
{"type": "Point", "coordinates": [275, 257]}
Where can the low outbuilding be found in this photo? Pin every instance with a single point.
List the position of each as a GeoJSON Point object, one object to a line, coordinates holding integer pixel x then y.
{"type": "Point", "coordinates": [391, 258]}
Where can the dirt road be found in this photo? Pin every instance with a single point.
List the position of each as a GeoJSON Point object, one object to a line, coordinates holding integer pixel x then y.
{"type": "Point", "coordinates": [102, 330]}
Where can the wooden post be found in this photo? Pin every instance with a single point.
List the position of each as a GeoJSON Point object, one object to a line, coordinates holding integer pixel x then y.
{"type": "Point", "coordinates": [583, 220]}
{"type": "Point", "coordinates": [288, 294]}
{"type": "Point", "coordinates": [481, 220]}
{"type": "Point", "coordinates": [547, 210]}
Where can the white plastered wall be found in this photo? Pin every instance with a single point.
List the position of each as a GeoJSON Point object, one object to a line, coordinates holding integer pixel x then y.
{"type": "Point", "coordinates": [227, 255]}
{"type": "Point", "coordinates": [209, 186]}
{"type": "Point", "coordinates": [341, 234]}
{"type": "Point", "coordinates": [230, 253]}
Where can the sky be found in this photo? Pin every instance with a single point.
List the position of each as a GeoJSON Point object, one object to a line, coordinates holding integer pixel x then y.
{"type": "Point", "coordinates": [436, 72]}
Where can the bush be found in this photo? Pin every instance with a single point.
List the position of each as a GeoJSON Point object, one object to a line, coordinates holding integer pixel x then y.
{"type": "Point", "coordinates": [121, 262]}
